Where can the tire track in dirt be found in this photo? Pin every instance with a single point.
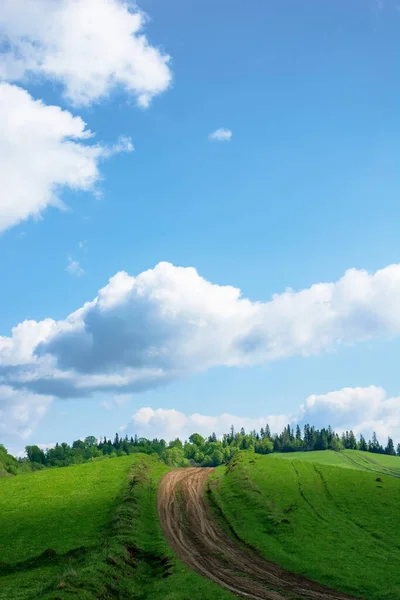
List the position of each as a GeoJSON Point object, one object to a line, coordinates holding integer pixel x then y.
{"type": "Point", "coordinates": [201, 543]}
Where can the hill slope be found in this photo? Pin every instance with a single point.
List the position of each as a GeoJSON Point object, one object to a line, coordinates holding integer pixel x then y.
{"type": "Point", "coordinates": [200, 541]}
{"type": "Point", "coordinates": [90, 532]}
{"type": "Point", "coordinates": [338, 526]}
{"type": "Point", "coordinates": [351, 459]}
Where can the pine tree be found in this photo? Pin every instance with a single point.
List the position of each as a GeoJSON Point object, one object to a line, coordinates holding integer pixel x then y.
{"type": "Point", "coordinates": [307, 436]}
{"type": "Point", "coordinates": [390, 447]}
{"type": "Point", "coordinates": [374, 445]}
{"type": "Point", "coordinates": [362, 444]}
{"type": "Point", "coordinates": [352, 441]}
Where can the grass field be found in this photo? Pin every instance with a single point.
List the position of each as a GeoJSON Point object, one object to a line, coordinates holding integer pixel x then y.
{"type": "Point", "coordinates": [91, 532]}
{"type": "Point", "coordinates": [351, 459]}
{"type": "Point", "coordinates": [333, 517]}
{"type": "Point", "coordinates": [56, 509]}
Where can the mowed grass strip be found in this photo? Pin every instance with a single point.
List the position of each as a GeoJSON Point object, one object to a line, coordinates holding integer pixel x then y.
{"type": "Point", "coordinates": [348, 459]}
{"type": "Point", "coordinates": [339, 526]}
{"type": "Point", "coordinates": [60, 509]}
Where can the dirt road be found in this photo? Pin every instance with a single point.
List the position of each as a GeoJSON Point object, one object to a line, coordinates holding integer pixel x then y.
{"type": "Point", "coordinates": [202, 544]}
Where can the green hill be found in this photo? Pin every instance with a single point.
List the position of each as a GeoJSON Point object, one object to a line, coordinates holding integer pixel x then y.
{"type": "Point", "coordinates": [91, 532]}
{"type": "Point", "coordinates": [331, 516]}
{"type": "Point", "coordinates": [351, 459]}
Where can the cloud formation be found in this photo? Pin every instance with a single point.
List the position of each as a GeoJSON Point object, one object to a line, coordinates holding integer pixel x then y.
{"type": "Point", "coordinates": [221, 135]}
{"type": "Point", "coordinates": [116, 401]}
{"type": "Point", "coordinates": [20, 413]}
{"type": "Point", "coordinates": [88, 46]}
{"type": "Point", "coordinates": [363, 410]}
{"type": "Point", "coordinates": [169, 322]}
{"type": "Point", "coordinates": [171, 423]}
{"type": "Point", "coordinates": [74, 268]}
{"type": "Point", "coordinates": [43, 149]}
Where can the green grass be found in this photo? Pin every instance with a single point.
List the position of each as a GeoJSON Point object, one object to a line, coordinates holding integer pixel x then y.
{"type": "Point", "coordinates": [91, 532]}
{"type": "Point", "coordinates": [351, 459]}
{"type": "Point", "coordinates": [321, 514]}
{"type": "Point", "coordinates": [58, 508]}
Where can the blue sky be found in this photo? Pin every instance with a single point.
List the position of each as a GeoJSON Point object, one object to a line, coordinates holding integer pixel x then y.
{"type": "Point", "coordinates": [305, 189]}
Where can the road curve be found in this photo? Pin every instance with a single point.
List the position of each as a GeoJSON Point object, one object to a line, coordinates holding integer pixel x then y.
{"type": "Point", "coordinates": [201, 543]}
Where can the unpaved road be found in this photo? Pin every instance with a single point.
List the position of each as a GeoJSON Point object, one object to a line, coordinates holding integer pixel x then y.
{"type": "Point", "coordinates": [202, 544]}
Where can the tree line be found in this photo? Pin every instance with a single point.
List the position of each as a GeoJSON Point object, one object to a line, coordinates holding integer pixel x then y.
{"type": "Point", "coordinates": [196, 451]}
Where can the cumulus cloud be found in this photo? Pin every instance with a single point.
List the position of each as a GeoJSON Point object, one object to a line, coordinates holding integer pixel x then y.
{"type": "Point", "coordinates": [74, 268]}
{"type": "Point", "coordinates": [20, 413]}
{"type": "Point", "coordinates": [171, 423]}
{"type": "Point", "coordinates": [363, 410]}
{"type": "Point", "coordinates": [221, 135]}
{"type": "Point", "coordinates": [169, 322]}
{"type": "Point", "coordinates": [43, 149]}
{"type": "Point", "coordinates": [89, 46]}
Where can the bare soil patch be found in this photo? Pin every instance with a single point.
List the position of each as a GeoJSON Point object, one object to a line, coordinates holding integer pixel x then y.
{"type": "Point", "coordinates": [200, 542]}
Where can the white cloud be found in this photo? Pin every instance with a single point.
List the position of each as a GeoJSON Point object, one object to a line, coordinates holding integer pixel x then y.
{"type": "Point", "coordinates": [46, 446]}
{"type": "Point", "coordinates": [20, 411]}
{"type": "Point", "coordinates": [43, 149]}
{"type": "Point", "coordinates": [89, 46]}
{"type": "Point", "coordinates": [118, 401]}
{"type": "Point", "coordinates": [171, 423]}
{"type": "Point", "coordinates": [168, 322]}
{"type": "Point", "coordinates": [221, 135]}
{"type": "Point", "coordinates": [363, 410]}
{"type": "Point", "coordinates": [18, 349]}
{"type": "Point", "coordinates": [74, 268]}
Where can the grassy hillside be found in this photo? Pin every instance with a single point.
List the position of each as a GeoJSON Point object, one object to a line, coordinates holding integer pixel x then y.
{"type": "Point", "coordinates": [308, 513]}
{"type": "Point", "coordinates": [351, 459]}
{"type": "Point", "coordinates": [62, 511]}
{"type": "Point", "coordinates": [91, 532]}
{"type": "Point", "coordinates": [58, 508]}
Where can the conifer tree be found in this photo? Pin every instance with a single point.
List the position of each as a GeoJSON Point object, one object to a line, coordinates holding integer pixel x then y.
{"type": "Point", "coordinates": [390, 447]}
{"type": "Point", "coordinates": [362, 444]}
